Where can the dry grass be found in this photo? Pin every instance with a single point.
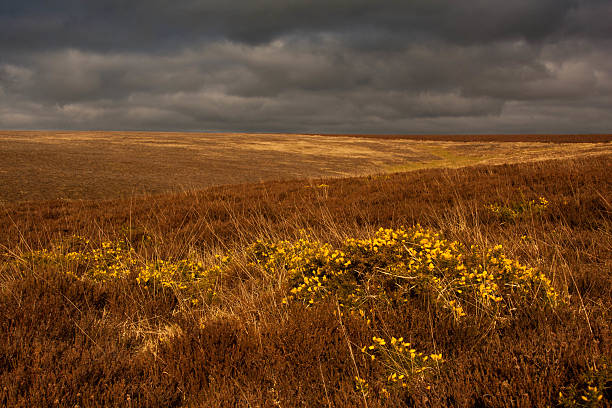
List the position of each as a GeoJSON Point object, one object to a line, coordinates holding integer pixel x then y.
{"type": "Point", "coordinates": [102, 165]}
{"type": "Point", "coordinates": [70, 340]}
{"type": "Point", "coordinates": [535, 138]}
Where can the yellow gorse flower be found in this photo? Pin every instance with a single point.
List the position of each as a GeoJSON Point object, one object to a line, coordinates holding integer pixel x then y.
{"type": "Point", "coordinates": [398, 262]}
{"type": "Point", "coordinates": [118, 260]}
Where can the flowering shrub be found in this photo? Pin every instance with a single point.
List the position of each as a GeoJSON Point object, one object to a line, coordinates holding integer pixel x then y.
{"type": "Point", "coordinates": [389, 268]}
{"type": "Point", "coordinates": [394, 265]}
{"type": "Point", "coordinates": [77, 257]}
{"type": "Point", "coordinates": [593, 390]}
{"type": "Point", "coordinates": [115, 260]}
{"type": "Point", "coordinates": [315, 268]}
{"type": "Point", "coordinates": [518, 210]}
{"type": "Point", "coordinates": [402, 362]}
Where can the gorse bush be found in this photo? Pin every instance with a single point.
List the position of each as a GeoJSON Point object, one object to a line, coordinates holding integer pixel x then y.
{"type": "Point", "coordinates": [76, 256]}
{"type": "Point", "coordinates": [517, 210]}
{"type": "Point", "coordinates": [391, 268]}
{"type": "Point", "coordinates": [118, 260]}
{"type": "Point", "coordinates": [397, 264]}
{"type": "Point", "coordinates": [403, 363]}
{"type": "Point", "coordinates": [591, 388]}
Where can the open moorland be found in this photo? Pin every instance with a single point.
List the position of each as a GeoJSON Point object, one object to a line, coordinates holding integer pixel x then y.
{"type": "Point", "coordinates": [101, 165]}
{"type": "Point", "coordinates": [328, 277]}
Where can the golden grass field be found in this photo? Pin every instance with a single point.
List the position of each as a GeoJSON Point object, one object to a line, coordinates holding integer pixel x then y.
{"type": "Point", "coordinates": [330, 277]}
{"type": "Point", "coordinates": [96, 165]}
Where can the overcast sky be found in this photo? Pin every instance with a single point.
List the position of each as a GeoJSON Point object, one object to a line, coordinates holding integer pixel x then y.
{"type": "Point", "coordinates": [358, 66]}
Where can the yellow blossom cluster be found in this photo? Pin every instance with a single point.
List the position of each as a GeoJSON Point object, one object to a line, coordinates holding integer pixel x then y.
{"type": "Point", "coordinates": [393, 266]}
{"type": "Point", "coordinates": [396, 264]}
{"type": "Point", "coordinates": [361, 385]}
{"type": "Point", "coordinates": [77, 257]}
{"type": "Point", "coordinates": [118, 259]}
{"type": "Point", "coordinates": [169, 273]}
{"type": "Point", "coordinates": [402, 361]}
{"type": "Point", "coordinates": [315, 269]}
{"type": "Point", "coordinates": [521, 209]}
{"type": "Point", "coordinates": [592, 391]}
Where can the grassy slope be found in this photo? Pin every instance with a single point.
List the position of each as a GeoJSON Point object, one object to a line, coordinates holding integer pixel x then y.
{"type": "Point", "coordinates": [569, 138]}
{"type": "Point", "coordinates": [77, 341]}
{"type": "Point", "coordinates": [42, 165]}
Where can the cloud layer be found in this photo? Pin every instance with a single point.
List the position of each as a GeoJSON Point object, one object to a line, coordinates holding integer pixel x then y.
{"type": "Point", "coordinates": [308, 66]}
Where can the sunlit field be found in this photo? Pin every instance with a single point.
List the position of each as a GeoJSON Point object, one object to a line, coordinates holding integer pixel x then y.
{"type": "Point", "coordinates": [102, 165]}
{"type": "Point", "coordinates": [340, 271]}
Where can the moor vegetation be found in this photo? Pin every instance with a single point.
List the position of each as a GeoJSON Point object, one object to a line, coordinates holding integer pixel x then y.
{"type": "Point", "coordinates": [485, 286]}
{"type": "Point", "coordinates": [535, 138]}
{"type": "Point", "coordinates": [49, 165]}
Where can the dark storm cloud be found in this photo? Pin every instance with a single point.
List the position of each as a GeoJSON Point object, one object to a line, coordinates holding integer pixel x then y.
{"type": "Point", "coordinates": [304, 65]}
{"type": "Point", "coordinates": [116, 24]}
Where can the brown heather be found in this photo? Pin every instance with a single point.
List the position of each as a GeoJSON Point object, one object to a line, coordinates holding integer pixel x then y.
{"type": "Point", "coordinates": [535, 138]}
{"type": "Point", "coordinates": [66, 341]}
